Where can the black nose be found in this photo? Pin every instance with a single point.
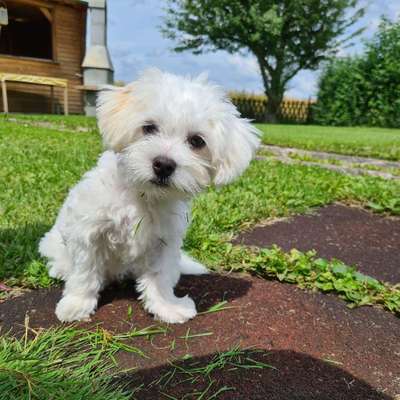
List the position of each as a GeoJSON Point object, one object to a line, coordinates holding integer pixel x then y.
{"type": "Point", "coordinates": [163, 167]}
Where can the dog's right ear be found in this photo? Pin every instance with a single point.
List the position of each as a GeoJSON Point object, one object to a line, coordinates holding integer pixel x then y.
{"type": "Point", "coordinates": [114, 115]}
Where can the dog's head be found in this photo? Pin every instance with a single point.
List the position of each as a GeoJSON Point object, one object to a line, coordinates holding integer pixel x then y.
{"type": "Point", "coordinates": [175, 134]}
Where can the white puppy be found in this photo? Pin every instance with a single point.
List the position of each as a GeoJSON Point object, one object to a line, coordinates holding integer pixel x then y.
{"type": "Point", "coordinates": [168, 138]}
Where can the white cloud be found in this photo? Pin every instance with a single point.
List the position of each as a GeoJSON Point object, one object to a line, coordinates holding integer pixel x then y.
{"type": "Point", "coordinates": [303, 85]}
{"type": "Point", "coordinates": [394, 10]}
{"type": "Point", "coordinates": [245, 65]}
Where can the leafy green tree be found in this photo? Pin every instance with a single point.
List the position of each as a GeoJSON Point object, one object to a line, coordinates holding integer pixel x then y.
{"type": "Point", "coordinates": [285, 36]}
{"type": "Point", "coordinates": [382, 75]}
{"type": "Point", "coordinates": [363, 90]}
{"type": "Point", "coordinates": [341, 93]}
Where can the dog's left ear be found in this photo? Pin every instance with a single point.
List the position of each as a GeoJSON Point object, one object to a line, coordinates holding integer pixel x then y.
{"type": "Point", "coordinates": [238, 141]}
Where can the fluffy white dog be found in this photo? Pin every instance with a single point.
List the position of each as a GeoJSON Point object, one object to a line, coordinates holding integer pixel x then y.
{"type": "Point", "coordinates": [168, 138]}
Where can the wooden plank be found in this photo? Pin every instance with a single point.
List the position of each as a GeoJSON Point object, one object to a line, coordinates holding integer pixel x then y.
{"type": "Point", "coordinates": [10, 58]}
{"type": "Point", "coordinates": [4, 93]}
{"type": "Point", "coordinates": [37, 80]}
{"type": "Point", "coordinates": [52, 99]}
{"type": "Point", "coordinates": [66, 101]}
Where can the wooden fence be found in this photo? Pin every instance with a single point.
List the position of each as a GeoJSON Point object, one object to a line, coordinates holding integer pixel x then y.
{"type": "Point", "coordinates": [254, 106]}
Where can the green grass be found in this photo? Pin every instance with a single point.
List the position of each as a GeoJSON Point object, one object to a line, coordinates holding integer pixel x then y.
{"type": "Point", "coordinates": [74, 364]}
{"type": "Point", "coordinates": [37, 168]}
{"type": "Point", "coordinates": [367, 142]}
{"type": "Point", "coordinates": [310, 272]}
{"type": "Point", "coordinates": [73, 123]}
{"type": "Point", "coordinates": [270, 189]}
{"type": "Point", "coordinates": [38, 165]}
{"type": "Point", "coordinates": [58, 364]}
{"type": "Point", "coordinates": [67, 363]}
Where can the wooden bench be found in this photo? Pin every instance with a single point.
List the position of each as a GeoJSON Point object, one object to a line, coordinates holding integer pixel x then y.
{"type": "Point", "coordinates": [37, 80]}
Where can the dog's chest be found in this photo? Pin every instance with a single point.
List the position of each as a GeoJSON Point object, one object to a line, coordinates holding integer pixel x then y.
{"type": "Point", "coordinates": [167, 225]}
{"type": "Point", "coordinates": [154, 228]}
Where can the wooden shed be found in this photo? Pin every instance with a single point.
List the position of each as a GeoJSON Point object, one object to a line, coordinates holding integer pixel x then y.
{"type": "Point", "coordinates": [44, 39]}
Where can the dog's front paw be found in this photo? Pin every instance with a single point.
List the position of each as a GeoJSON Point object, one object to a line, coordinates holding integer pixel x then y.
{"type": "Point", "coordinates": [177, 312]}
{"type": "Point", "coordinates": [75, 308]}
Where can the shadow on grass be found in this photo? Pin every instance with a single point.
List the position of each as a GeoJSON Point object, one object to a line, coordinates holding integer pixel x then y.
{"type": "Point", "coordinates": [295, 376]}
{"type": "Point", "coordinates": [19, 256]}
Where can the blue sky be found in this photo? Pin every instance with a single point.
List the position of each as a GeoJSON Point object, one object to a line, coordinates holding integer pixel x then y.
{"type": "Point", "coordinates": [135, 43]}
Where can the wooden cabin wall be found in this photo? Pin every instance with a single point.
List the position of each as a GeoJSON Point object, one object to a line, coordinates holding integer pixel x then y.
{"type": "Point", "coordinates": [69, 25]}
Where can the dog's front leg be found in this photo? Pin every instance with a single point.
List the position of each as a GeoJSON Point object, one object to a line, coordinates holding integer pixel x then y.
{"type": "Point", "coordinates": [157, 290]}
{"type": "Point", "coordinates": [81, 293]}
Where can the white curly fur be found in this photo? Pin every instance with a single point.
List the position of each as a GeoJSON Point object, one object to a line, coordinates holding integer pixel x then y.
{"type": "Point", "coordinates": [116, 221]}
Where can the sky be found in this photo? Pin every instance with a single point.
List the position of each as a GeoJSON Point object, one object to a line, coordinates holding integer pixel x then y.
{"type": "Point", "coordinates": [135, 43]}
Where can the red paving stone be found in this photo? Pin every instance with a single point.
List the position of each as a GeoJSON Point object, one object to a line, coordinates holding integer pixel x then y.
{"type": "Point", "coordinates": [322, 350]}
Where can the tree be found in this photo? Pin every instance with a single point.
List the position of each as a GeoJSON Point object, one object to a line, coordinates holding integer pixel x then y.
{"type": "Point", "coordinates": [382, 75]}
{"type": "Point", "coordinates": [342, 91]}
{"type": "Point", "coordinates": [285, 36]}
{"type": "Point", "coordinates": [363, 90]}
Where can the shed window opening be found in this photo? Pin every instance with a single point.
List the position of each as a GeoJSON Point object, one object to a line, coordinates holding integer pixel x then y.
{"type": "Point", "coordinates": [28, 33]}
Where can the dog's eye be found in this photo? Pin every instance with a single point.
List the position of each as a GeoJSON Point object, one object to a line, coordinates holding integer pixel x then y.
{"type": "Point", "coordinates": [150, 128]}
{"type": "Point", "coordinates": [196, 141]}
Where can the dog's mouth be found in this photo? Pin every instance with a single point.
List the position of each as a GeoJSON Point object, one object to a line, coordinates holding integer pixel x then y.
{"type": "Point", "coordinates": [162, 182]}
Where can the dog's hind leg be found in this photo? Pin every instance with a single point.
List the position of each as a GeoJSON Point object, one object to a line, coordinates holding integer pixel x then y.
{"type": "Point", "coordinates": [52, 247]}
{"type": "Point", "coordinates": [188, 266]}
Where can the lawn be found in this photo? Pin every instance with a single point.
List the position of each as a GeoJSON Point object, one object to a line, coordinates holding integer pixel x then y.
{"type": "Point", "coordinates": [40, 164]}
{"type": "Point", "coordinates": [42, 157]}
{"type": "Point", "coordinates": [72, 123]}
{"type": "Point", "coordinates": [368, 142]}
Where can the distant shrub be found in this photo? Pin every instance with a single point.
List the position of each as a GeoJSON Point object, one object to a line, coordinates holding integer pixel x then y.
{"type": "Point", "coordinates": [341, 94]}
{"type": "Point", "coordinates": [382, 71]}
{"type": "Point", "coordinates": [363, 90]}
{"type": "Point", "coordinates": [254, 107]}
